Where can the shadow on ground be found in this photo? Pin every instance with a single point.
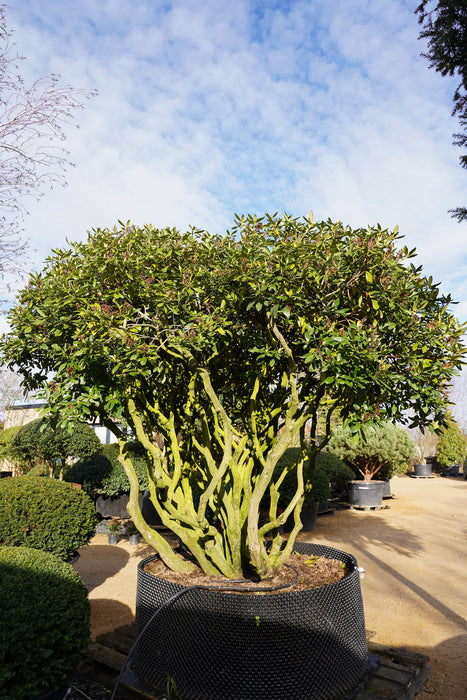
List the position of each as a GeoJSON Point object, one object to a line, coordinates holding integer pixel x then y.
{"type": "Point", "coordinates": [108, 614]}
{"type": "Point", "coordinates": [357, 530]}
{"type": "Point", "coordinates": [90, 565]}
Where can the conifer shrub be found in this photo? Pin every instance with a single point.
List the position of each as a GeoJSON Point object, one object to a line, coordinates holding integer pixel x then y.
{"type": "Point", "coordinates": [45, 615]}
{"type": "Point", "coordinates": [46, 514]}
{"type": "Point", "coordinates": [382, 449]}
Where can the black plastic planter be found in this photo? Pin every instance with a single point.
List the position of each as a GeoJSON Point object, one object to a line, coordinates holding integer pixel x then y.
{"type": "Point", "coordinates": [387, 488]}
{"type": "Point", "coordinates": [148, 511]}
{"type": "Point", "coordinates": [452, 470]}
{"type": "Point", "coordinates": [366, 493]}
{"type": "Point", "coordinates": [308, 517]}
{"type": "Point", "coordinates": [422, 469]}
{"type": "Point", "coordinates": [113, 506]}
{"type": "Point", "coordinates": [215, 645]}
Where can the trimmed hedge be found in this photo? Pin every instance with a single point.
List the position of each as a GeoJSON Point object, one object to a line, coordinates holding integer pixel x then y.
{"type": "Point", "coordinates": [104, 473]}
{"type": "Point", "coordinates": [45, 514]}
{"type": "Point", "coordinates": [45, 615]}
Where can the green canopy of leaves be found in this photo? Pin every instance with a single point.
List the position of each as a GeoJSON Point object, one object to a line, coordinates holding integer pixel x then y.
{"type": "Point", "coordinates": [42, 440]}
{"type": "Point", "coordinates": [218, 350]}
{"type": "Point", "coordinates": [383, 449]}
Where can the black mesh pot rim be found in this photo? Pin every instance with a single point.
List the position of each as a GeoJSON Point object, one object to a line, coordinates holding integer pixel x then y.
{"type": "Point", "coordinates": [330, 552]}
{"type": "Point", "coordinates": [302, 645]}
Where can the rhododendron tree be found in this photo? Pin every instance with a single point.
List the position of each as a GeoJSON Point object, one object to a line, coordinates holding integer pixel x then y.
{"type": "Point", "coordinates": [219, 350]}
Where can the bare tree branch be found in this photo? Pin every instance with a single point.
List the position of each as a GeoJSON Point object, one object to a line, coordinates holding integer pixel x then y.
{"type": "Point", "coordinates": [32, 123]}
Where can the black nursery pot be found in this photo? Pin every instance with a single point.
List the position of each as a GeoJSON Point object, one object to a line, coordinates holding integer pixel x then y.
{"type": "Point", "coordinates": [308, 517]}
{"type": "Point", "coordinates": [366, 493]}
{"type": "Point", "coordinates": [422, 469]}
{"type": "Point", "coordinates": [216, 645]}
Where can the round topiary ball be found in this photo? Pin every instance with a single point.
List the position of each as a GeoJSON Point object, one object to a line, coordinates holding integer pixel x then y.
{"type": "Point", "coordinates": [45, 614]}
{"type": "Point", "coordinates": [46, 514]}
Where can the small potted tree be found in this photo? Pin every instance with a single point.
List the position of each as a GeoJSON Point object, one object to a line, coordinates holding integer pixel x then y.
{"type": "Point", "coordinates": [132, 531]}
{"type": "Point", "coordinates": [382, 450]}
{"type": "Point", "coordinates": [103, 476]}
{"type": "Point", "coordinates": [217, 351]}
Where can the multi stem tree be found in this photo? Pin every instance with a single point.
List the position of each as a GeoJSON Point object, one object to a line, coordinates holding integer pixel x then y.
{"type": "Point", "coordinates": [218, 351]}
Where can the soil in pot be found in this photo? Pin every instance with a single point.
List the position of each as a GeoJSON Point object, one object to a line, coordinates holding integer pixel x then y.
{"type": "Point", "coordinates": [299, 645]}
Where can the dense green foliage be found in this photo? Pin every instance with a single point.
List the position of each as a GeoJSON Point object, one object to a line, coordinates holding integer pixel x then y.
{"type": "Point", "coordinates": [320, 481]}
{"type": "Point", "coordinates": [38, 470]}
{"type": "Point", "coordinates": [44, 441]}
{"type": "Point", "coordinates": [46, 514]}
{"type": "Point", "coordinates": [445, 27]}
{"type": "Point", "coordinates": [104, 472]}
{"type": "Point", "coordinates": [452, 446]}
{"type": "Point", "coordinates": [336, 470]}
{"type": "Point", "coordinates": [7, 449]}
{"type": "Point", "coordinates": [378, 449]}
{"type": "Point", "coordinates": [225, 348]}
{"type": "Point", "coordinates": [45, 614]}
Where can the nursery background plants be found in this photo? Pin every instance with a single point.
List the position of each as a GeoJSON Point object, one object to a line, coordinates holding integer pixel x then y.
{"type": "Point", "coordinates": [45, 615]}
{"type": "Point", "coordinates": [46, 514]}
{"type": "Point", "coordinates": [378, 450]}
{"type": "Point", "coordinates": [43, 441]}
{"type": "Point", "coordinates": [225, 347]}
{"type": "Point", "coordinates": [452, 445]}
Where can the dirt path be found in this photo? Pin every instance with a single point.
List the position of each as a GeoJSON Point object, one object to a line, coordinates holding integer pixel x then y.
{"type": "Point", "coordinates": [414, 554]}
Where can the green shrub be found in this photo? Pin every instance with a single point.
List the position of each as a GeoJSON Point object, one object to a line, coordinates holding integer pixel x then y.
{"type": "Point", "coordinates": [44, 610]}
{"type": "Point", "coordinates": [105, 474]}
{"type": "Point", "coordinates": [337, 471]}
{"type": "Point", "coordinates": [42, 441]}
{"type": "Point", "coordinates": [90, 473]}
{"type": "Point", "coordinates": [451, 446]}
{"type": "Point", "coordinates": [320, 490]}
{"type": "Point", "coordinates": [7, 448]}
{"type": "Point", "coordinates": [383, 449]}
{"type": "Point", "coordinates": [39, 470]}
{"type": "Point", "coordinates": [46, 514]}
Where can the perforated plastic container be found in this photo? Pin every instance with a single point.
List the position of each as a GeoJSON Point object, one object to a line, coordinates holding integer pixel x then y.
{"type": "Point", "coordinates": [216, 645]}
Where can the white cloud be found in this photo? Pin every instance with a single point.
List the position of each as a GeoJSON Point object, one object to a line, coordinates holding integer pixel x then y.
{"type": "Point", "coordinates": [209, 108]}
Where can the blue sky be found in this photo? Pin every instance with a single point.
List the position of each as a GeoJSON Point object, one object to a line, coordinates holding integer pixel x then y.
{"type": "Point", "coordinates": [210, 108]}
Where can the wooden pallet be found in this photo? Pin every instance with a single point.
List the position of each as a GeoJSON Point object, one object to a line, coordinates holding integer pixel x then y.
{"type": "Point", "coordinates": [351, 506]}
{"type": "Point", "coordinates": [400, 674]}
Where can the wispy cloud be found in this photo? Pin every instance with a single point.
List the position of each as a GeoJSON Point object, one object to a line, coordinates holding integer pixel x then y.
{"type": "Point", "coordinates": [206, 109]}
